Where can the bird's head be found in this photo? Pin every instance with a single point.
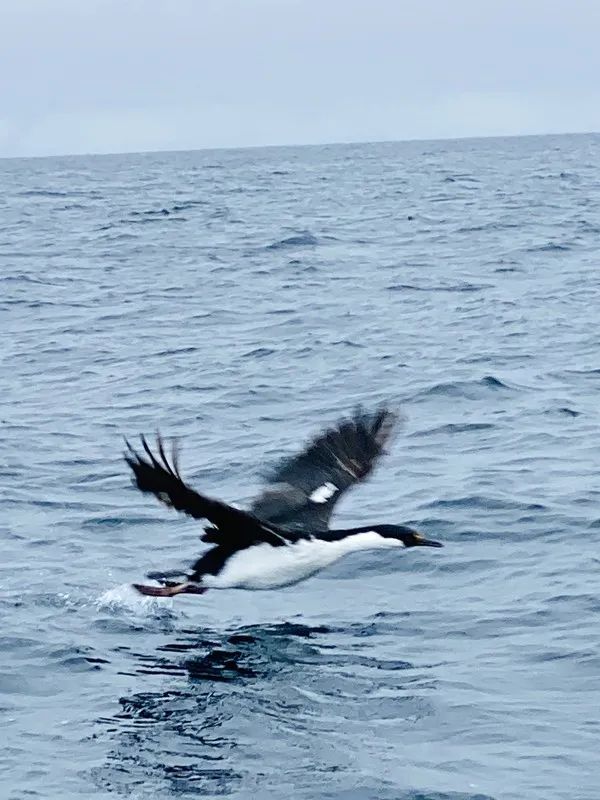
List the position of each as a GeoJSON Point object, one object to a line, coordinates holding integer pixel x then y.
{"type": "Point", "coordinates": [405, 536]}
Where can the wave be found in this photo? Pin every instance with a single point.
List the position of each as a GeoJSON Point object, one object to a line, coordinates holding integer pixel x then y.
{"type": "Point", "coordinates": [44, 193]}
{"type": "Point", "coordinates": [172, 213]}
{"type": "Point", "coordinates": [457, 287]}
{"type": "Point", "coordinates": [463, 388]}
{"type": "Point", "coordinates": [302, 239]}
{"type": "Point", "coordinates": [454, 428]}
{"type": "Point", "coordinates": [484, 502]}
{"type": "Point", "coordinates": [565, 411]}
{"type": "Point", "coordinates": [549, 247]}
{"type": "Point", "coordinates": [259, 352]}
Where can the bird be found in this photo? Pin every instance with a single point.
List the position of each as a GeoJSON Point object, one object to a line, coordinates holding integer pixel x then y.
{"type": "Point", "coordinates": [284, 537]}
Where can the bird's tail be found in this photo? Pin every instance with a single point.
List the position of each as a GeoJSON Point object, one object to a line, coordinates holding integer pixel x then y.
{"type": "Point", "coordinates": [169, 589]}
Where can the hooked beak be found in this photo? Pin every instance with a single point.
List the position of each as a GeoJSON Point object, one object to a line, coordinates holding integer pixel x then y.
{"type": "Point", "coordinates": [421, 542]}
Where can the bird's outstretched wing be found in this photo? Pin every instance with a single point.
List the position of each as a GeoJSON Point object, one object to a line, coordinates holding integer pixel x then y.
{"type": "Point", "coordinates": [160, 476]}
{"type": "Point", "coordinates": [302, 490]}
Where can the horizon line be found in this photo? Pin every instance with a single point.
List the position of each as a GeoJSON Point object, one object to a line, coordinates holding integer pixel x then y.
{"type": "Point", "coordinates": [346, 143]}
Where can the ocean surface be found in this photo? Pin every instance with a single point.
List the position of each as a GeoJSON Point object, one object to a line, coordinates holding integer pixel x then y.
{"type": "Point", "coordinates": [242, 300]}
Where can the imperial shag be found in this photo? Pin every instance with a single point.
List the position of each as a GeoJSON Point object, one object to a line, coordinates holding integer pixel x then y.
{"type": "Point", "coordinates": [284, 537]}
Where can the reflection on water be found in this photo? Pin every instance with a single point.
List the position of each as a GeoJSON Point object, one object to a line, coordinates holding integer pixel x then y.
{"type": "Point", "coordinates": [223, 708]}
{"type": "Point", "coordinates": [183, 735]}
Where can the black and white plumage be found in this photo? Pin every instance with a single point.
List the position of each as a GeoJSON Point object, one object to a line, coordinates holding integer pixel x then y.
{"type": "Point", "coordinates": [285, 535]}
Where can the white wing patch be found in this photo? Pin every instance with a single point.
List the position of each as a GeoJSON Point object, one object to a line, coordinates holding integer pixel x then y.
{"type": "Point", "coordinates": [323, 493]}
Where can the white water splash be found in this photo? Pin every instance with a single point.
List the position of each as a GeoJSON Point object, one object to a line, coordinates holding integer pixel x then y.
{"type": "Point", "coordinates": [125, 598]}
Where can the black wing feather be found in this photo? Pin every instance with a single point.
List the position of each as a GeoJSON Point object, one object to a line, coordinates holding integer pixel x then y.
{"type": "Point", "coordinates": [302, 490]}
{"type": "Point", "coordinates": [160, 477]}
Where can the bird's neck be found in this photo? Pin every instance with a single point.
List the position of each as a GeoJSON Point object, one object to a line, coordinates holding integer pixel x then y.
{"type": "Point", "coordinates": [355, 539]}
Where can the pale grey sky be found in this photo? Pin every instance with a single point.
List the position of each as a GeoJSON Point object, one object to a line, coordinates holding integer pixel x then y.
{"type": "Point", "coordinates": [82, 76]}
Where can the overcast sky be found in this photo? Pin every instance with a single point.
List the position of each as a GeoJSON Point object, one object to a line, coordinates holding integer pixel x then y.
{"type": "Point", "coordinates": [82, 76]}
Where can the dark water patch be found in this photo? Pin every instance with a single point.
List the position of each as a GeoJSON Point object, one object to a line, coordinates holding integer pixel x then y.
{"type": "Point", "coordinates": [149, 218]}
{"type": "Point", "coordinates": [172, 212]}
{"type": "Point", "coordinates": [44, 193]}
{"type": "Point", "coordinates": [349, 343]}
{"type": "Point", "coordinates": [302, 239]}
{"type": "Point", "coordinates": [259, 352]}
{"type": "Point", "coordinates": [375, 791]}
{"type": "Point", "coordinates": [489, 226]}
{"type": "Point", "coordinates": [466, 389]}
{"type": "Point", "coordinates": [587, 373]}
{"type": "Point", "coordinates": [24, 277]}
{"type": "Point", "coordinates": [157, 212]}
{"type": "Point", "coordinates": [93, 523]}
{"type": "Point", "coordinates": [218, 665]}
{"type": "Point", "coordinates": [220, 213]}
{"type": "Point", "coordinates": [79, 663]}
{"type": "Point", "coordinates": [214, 662]}
{"type": "Point", "coordinates": [283, 629]}
{"type": "Point", "coordinates": [74, 207]}
{"type": "Point", "coordinates": [565, 411]}
{"type": "Point", "coordinates": [116, 237]}
{"type": "Point", "coordinates": [184, 205]}
{"type": "Point", "coordinates": [550, 247]}
{"type": "Point", "coordinates": [555, 654]}
{"type": "Point", "coordinates": [455, 428]}
{"type": "Point", "coordinates": [563, 175]}
{"type": "Point", "coordinates": [586, 226]}
{"type": "Point", "coordinates": [461, 287]}
{"type": "Point", "coordinates": [496, 359]}
{"type": "Point", "coordinates": [485, 502]}
{"type": "Point", "coordinates": [282, 311]}
{"type": "Point", "coordinates": [242, 653]}
{"type": "Point", "coordinates": [175, 351]}
{"type": "Point", "coordinates": [460, 176]}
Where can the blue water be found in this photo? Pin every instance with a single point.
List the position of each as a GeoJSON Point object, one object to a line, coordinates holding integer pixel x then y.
{"type": "Point", "coordinates": [241, 300]}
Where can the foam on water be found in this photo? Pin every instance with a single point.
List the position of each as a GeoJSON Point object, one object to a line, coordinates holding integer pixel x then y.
{"type": "Point", "coordinates": [125, 597]}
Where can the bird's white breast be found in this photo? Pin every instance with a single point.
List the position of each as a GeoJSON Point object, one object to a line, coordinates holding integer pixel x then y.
{"type": "Point", "coordinates": [263, 566]}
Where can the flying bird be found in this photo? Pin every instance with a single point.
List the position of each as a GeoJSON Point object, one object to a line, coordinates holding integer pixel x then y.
{"type": "Point", "coordinates": [284, 537]}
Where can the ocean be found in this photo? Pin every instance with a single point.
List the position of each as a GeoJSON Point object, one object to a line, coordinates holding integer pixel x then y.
{"type": "Point", "coordinates": [243, 300]}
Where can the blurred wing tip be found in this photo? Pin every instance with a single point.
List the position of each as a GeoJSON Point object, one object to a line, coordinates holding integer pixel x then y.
{"type": "Point", "coordinates": [129, 452]}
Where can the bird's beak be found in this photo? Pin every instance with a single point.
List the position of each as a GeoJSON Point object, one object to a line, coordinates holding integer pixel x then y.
{"type": "Point", "coordinates": [422, 542]}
